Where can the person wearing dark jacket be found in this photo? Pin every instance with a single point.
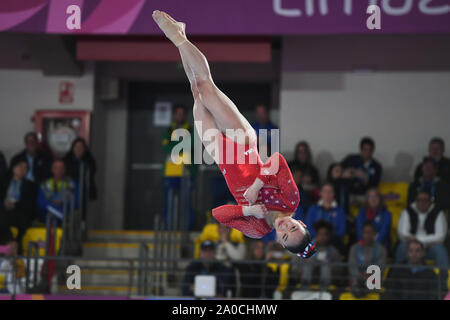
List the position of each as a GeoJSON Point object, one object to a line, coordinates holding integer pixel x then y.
{"type": "Point", "coordinates": [3, 167]}
{"type": "Point", "coordinates": [413, 281]}
{"type": "Point", "coordinates": [39, 162]}
{"type": "Point", "coordinates": [362, 168]}
{"type": "Point", "coordinates": [207, 265]}
{"type": "Point", "coordinates": [8, 245]}
{"type": "Point", "coordinates": [257, 279]}
{"type": "Point", "coordinates": [430, 182]}
{"type": "Point", "coordinates": [341, 184]}
{"type": "Point", "coordinates": [303, 161]}
{"type": "Point", "coordinates": [436, 151]}
{"type": "Point", "coordinates": [18, 197]}
{"type": "Point", "coordinates": [6, 235]}
{"type": "Point", "coordinates": [426, 222]}
{"type": "Point", "coordinates": [263, 123]}
{"type": "Point", "coordinates": [318, 269]}
{"type": "Point", "coordinates": [80, 164]}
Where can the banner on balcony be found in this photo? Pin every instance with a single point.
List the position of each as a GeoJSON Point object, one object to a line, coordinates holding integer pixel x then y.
{"type": "Point", "coordinates": [231, 17]}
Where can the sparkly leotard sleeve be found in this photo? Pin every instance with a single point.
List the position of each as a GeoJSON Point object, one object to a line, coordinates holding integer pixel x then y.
{"type": "Point", "coordinates": [279, 193]}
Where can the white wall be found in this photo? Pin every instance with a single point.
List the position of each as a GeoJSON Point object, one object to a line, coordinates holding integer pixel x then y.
{"type": "Point", "coordinates": [332, 111]}
{"type": "Point", "coordinates": [22, 92]}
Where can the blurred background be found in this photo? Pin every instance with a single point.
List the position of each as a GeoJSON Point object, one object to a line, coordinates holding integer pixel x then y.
{"type": "Point", "coordinates": [86, 119]}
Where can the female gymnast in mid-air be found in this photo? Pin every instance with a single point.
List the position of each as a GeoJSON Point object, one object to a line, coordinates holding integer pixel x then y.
{"type": "Point", "coordinates": [265, 192]}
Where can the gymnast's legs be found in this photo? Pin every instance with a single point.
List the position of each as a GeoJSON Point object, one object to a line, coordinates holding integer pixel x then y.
{"type": "Point", "coordinates": [212, 107]}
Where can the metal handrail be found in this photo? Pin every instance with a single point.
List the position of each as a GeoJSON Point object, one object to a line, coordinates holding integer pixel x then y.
{"type": "Point", "coordinates": [157, 267]}
{"type": "Point", "coordinates": [35, 246]}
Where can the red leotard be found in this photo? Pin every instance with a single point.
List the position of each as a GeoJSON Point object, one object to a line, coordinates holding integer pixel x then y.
{"type": "Point", "coordinates": [240, 170]}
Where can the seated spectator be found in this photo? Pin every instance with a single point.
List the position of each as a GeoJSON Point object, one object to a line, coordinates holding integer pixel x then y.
{"type": "Point", "coordinates": [363, 170]}
{"type": "Point", "coordinates": [375, 211]}
{"type": "Point", "coordinates": [426, 222]}
{"type": "Point", "coordinates": [79, 159]}
{"type": "Point", "coordinates": [54, 191]}
{"type": "Point", "coordinates": [305, 203]}
{"type": "Point", "coordinates": [257, 280]}
{"type": "Point", "coordinates": [227, 250]}
{"type": "Point", "coordinates": [277, 273]}
{"type": "Point", "coordinates": [327, 209]}
{"type": "Point", "coordinates": [3, 167]}
{"type": "Point", "coordinates": [211, 232]}
{"type": "Point", "coordinates": [8, 248]}
{"type": "Point", "coordinates": [303, 161]}
{"type": "Point", "coordinates": [18, 196]}
{"type": "Point", "coordinates": [7, 243]}
{"type": "Point", "coordinates": [341, 182]}
{"type": "Point", "coordinates": [317, 269]}
{"type": "Point", "coordinates": [436, 151]}
{"type": "Point", "coordinates": [207, 265]}
{"type": "Point", "coordinates": [412, 281]}
{"type": "Point", "coordinates": [39, 162]}
{"type": "Point", "coordinates": [429, 181]}
{"type": "Point", "coordinates": [363, 254]}
{"type": "Point", "coordinates": [263, 123]}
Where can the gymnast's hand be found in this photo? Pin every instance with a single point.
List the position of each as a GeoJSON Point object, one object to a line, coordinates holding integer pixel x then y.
{"type": "Point", "coordinates": [251, 194]}
{"type": "Point", "coordinates": [259, 211]}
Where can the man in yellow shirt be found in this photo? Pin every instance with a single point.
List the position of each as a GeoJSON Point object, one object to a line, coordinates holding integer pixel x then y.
{"type": "Point", "coordinates": [178, 176]}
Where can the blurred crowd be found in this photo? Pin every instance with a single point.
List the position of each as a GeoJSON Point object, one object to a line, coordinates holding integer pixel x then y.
{"type": "Point", "coordinates": [347, 215]}
{"type": "Point", "coordinates": [35, 182]}
{"type": "Point", "coordinates": [345, 212]}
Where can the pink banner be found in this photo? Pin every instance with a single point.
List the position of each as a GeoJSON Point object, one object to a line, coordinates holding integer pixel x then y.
{"type": "Point", "coordinates": [232, 17]}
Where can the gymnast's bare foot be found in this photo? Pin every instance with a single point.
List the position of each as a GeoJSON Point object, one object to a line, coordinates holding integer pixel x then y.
{"type": "Point", "coordinates": [173, 29]}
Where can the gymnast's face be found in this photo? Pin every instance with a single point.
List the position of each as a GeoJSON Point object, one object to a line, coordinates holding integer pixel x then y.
{"type": "Point", "coordinates": [290, 232]}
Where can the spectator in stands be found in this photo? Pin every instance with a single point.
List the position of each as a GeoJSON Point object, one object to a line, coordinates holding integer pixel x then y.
{"type": "Point", "coordinates": [174, 171]}
{"type": "Point", "coordinates": [3, 167]}
{"type": "Point", "coordinates": [57, 190]}
{"type": "Point", "coordinates": [363, 254]}
{"type": "Point", "coordinates": [375, 211]}
{"type": "Point", "coordinates": [317, 269]}
{"type": "Point", "coordinates": [79, 160]}
{"type": "Point", "coordinates": [8, 245]}
{"type": "Point", "coordinates": [278, 268]}
{"type": "Point", "coordinates": [426, 222]}
{"type": "Point", "coordinates": [227, 250]}
{"type": "Point", "coordinates": [263, 123]}
{"type": "Point", "coordinates": [413, 281]}
{"type": "Point", "coordinates": [429, 181]}
{"type": "Point", "coordinates": [303, 161]}
{"type": "Point", "coordinates": [39, 162]}
{"type": "Point", "coordinates": [436, 151]}
{"type": "Point", "coordinates": [257, 280]}
{"type": "Point", "coordinates": [327, 209]}
{"type": "Point", "coordinates": [305, 203]}
{"type": "Point", "coordinates": [207, 265]}
{"type": "Point", "coordinates": [362, 168]}
{"type": "Point", "coordinates": [18, 196]}
{"type": "Point", "coordinates": [341, 182]}
{"type": "Point", "coordinates": [8, 248]}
